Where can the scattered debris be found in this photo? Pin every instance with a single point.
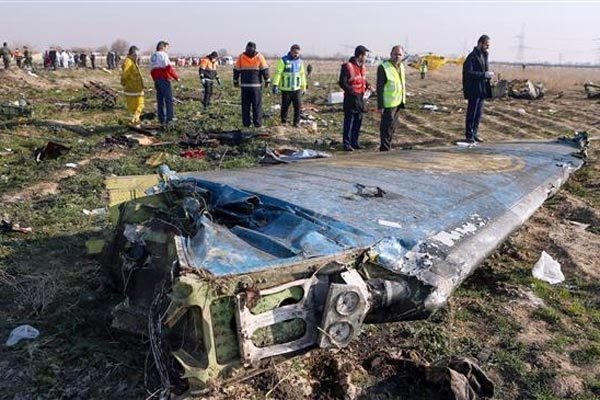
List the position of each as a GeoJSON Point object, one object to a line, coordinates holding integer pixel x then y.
{"type": "Point", "coordinates": [592, 90]}
{"type": "Point", "coordinates": [198, 153]}
{"type": "Point", "coordinates": [157, 159]}
{"type": "Point", "coordinates": [369, 191]}
{"type": "Point", "coordinates": [51, 151]}
{"type": "Point", "coordinates": [522, 111]}
{"type": "Point", "coordinates": [456, 378]}
{"type": "Point", "coordinates": [335, 98]}
{"type": "Point", "coordinates": [579, 225]}
{"type": "Point", "coordinates": [15, 109]}
{"type": "Point", "coordinates": [430, 107]}
{"type": "Point", "coordinates": [71, 165]}
{"type": "Point", "coordinates": [284, 156]}
{"type": "Point", "coordinates": [525, 89]}
{"type": "Point", "coordinates": [95, 212]}
{"type": "Point", "coordinates": [547, 269]}
{"type": "Point", "coordinates": [103, 93]}
{"type": "Point", "coordinates": [23, 332]}
{"type": "Point", "coordinates": [7, 227]}
{"type": "Point", "coordinates": [467, 144]}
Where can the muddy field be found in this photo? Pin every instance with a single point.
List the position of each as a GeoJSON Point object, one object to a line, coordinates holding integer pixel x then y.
{"type": "Point", "coordinates": [534, 340]}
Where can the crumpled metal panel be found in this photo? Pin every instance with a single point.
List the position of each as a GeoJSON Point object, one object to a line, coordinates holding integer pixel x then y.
{"type": "Point", "coordinates": [443, 210]}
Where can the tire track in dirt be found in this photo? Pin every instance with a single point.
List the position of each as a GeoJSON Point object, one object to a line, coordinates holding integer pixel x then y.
{"type": "Point", "coordinates": [560, 127]}
{"type": "Point", "coordinates": [530, 128]}
{"type": "Point", "coordinates": [423, 124]}
{"type": "Point", "coordinates": [502, 128]}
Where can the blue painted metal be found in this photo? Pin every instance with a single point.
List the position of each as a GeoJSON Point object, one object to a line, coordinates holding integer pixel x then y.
{"type": "Point", "coordinates": [308, 209]}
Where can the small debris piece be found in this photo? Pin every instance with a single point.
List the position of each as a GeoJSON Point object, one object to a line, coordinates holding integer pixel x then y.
{"type": "Point", "coordinates": [21, 333]}
{"type": "Point", "coordinates": [95, 246]}
{"type": "Point", "coordinates": [198, 153]}
{"type": "Point", "coordinates": [51, 151]}
{"type": "Point", "coordinates": [157, 159]}
{"type": "Point", "coordinates": [7, 227]}
{"type": "Point", "coordinates": [369, 191]}
{"type": "Point", "coordinates": [548, 270]}
{"type": "Point", "coordinates": [284, 156]}
{"type": "Point", "coordinates": [103, 93]}
{"type": "Point", "coordinates": [592, 90]}
{"type": "Point", "coordinates": [71, 165]}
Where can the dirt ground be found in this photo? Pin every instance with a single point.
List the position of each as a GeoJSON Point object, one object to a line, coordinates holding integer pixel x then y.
{"type": "Point", "coordinates": [534, 340]}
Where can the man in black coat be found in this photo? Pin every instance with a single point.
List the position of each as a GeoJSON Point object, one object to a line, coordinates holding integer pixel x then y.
{"type": "Point", "coordinates": [476, 86]}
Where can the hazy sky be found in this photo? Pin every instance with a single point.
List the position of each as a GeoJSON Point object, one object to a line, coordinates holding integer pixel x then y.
{"type": "Point", "coordinates": [551, 30]}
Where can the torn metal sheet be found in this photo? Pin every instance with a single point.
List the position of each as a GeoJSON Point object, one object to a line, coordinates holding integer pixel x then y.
{"type": "Point", "coordinates": [274, 261]}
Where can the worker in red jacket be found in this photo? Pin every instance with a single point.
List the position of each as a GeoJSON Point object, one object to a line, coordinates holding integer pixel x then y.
{"type": "Point", "coordinates": [353, 80]}
{"type": "Point", "coordinates": [163, 72]}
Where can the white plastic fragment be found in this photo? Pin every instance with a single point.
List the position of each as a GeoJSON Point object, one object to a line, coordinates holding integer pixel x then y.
{"type": "Point", "coordinates": [71, 165]}
{"type": "Point", "coordinates": [335, 98]}
{"type": "Point", "coordinates": [390, 224]}
{"type": "Point", "coordinates": [20, 333]}
{"type": "Point", "coordinates": [548, 269]}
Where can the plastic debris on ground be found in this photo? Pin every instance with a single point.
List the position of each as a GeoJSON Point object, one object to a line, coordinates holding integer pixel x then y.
{"type": "Point", "coordinates": [50, 151]}
{"type": "Point", "coordinates": [430, 107]}
{"type": "Point", "coordinates": [7, 227]}
{"type": "Point", "coordinates": [23, 332]}
{"type": "Point", "coordinates": [71, 165]}
{"type": "Point", "coordinates": [335, 98]}
{"type": "Point", "coordinates": [157, 159]}
{"type": "Point", "coordinates": [284, 155]}
{"type": "Point", "coordinates": [198, 153]}
{"type": "Point", "coordinates": [95, 212]}
{"type": "Point", "coordinates": [548, 270]}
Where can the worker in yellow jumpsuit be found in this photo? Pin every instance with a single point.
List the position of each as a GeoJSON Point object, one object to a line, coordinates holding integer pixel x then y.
{"type": "Point", "coordinates": [133, 85]}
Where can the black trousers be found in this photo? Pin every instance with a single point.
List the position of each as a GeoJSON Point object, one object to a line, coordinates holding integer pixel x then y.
{"type": "Point", "coordinates": [385, 128]}
{"type": "Point", "coordinates": [208, 91]}
{"type": "Point", "coordinates": [287, 98]}
{"type": "Point", "coordinates": [474, 113]}
{"type": "Point", "coordinates": [252, 100]}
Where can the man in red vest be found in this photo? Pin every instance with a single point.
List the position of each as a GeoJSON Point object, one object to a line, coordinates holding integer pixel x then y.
{"type": "Point", "coordinates": [353, 80]}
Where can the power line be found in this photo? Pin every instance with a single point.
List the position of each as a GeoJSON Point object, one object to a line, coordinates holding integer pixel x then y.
{"type": "Point", "coordinates": [521, 45]}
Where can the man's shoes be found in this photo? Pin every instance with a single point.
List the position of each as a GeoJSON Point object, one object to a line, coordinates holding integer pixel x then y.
{"type": "Point", "coordinates": [348, 149]}
{"type": "Point", "coordinates": [296, 125]}
{"type": "Point", "coordinates": [478, 139]}
{"type": "Point", "coordinates": [357, 147]}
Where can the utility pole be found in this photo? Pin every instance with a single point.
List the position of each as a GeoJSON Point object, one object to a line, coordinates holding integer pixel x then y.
{"type": "Point", "coordinates": [521, 45]}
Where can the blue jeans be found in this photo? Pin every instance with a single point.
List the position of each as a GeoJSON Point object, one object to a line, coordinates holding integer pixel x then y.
{"type": "Point", "coordinates": [474, 113]}
{"type": "Point", "coordinates": [352, 123]}
{"type": "Point", "coordinates": [164, 100]}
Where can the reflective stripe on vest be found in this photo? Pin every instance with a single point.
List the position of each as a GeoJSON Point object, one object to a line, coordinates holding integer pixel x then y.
{"type": "Point", "coordinates": [357, 77]}
{"type": "Point", "coordinates": [393, 90]}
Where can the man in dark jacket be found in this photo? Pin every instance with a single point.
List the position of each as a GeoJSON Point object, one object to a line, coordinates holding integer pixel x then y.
{"type": "Point", "coordinates": [476, 86]}
{"type": "Point", "coordinates": [353, 80]}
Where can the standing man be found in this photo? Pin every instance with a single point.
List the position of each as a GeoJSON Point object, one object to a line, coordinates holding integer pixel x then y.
{"type": "Point", "coordinates": [249, 72]}
{"type": "Point", "coordinates": [163, 72]}
{"type": "Point", "coordinates": [208, 74]}
{"type": "Point", "coordinates": [291, 78]}
{"type": "Point", "coordinates": [133, 85]}
{"type": "Point", "coordinates": [423, 69]}
{"type": "Point", "coordinates": [93, 59]}
{"type": "Point", "coordinates": [18, 57]}
{"type": "Point", "coordinates": [353, 80]}
{"type": "Point", "coordinates": [28, 59]}
{"type": "Point", "coordinates": [391, 94]}
{"type": "Point", "coordinates": [110, 60]}
{"type": "Point", "coordinates": [476, 86]}
{"type": "Point", "coordinates": [6, 55]}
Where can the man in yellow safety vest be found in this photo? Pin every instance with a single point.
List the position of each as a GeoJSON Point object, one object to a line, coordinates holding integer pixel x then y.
{"type": "Point", "coordinates": [391, 94]}
{"type": "Point", "coordinates": [290, 79]}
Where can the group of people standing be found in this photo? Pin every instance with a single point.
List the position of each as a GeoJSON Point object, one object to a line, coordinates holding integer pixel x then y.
{"type": "Point", "coordinates": [23, 59]}
{"type": "Point", "coordinates": [251, 75]}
